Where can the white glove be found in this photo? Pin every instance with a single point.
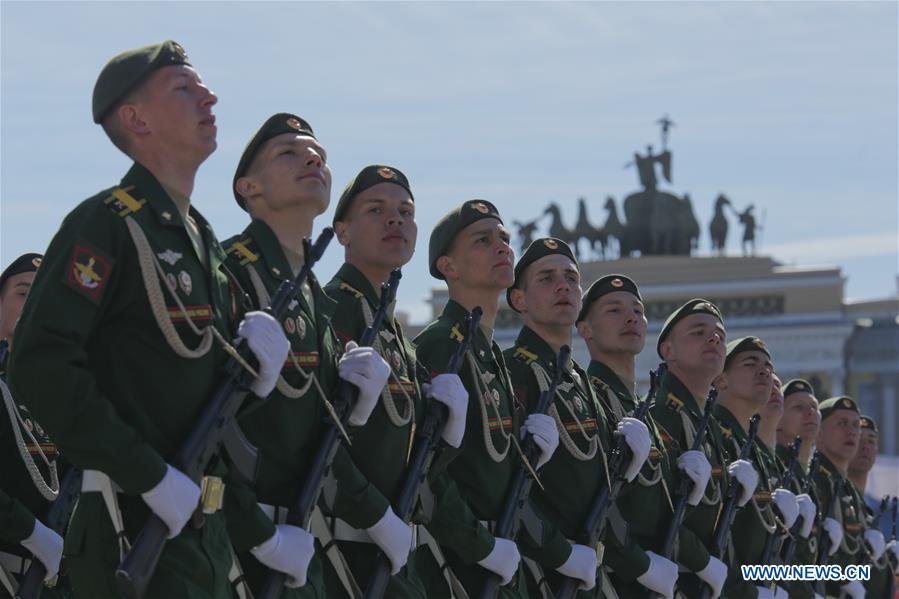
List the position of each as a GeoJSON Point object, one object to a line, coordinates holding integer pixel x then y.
{"type": "Point", "coordinates": [817, 596]}
{"type": "Point", "coordinates": [365, 368]}
{"type": "Point", "coordinates": [661, 575]}
{"type": "Point", "coordinates": [748, 478]}
{"type": "Point", "coordinates": [892, 548]}
{"type": "Point", "coordinates": [714, 575]}
{"type": "Point", "coordinates": [835, 532]}
{"type": "Point", "coordinates": [502, 560]}
{"type": "Point", "coordinates": [807, 511]}
{"type": "Point", "coordinates": [46, 546]}
{"type": "Point", "coordinates": [173, 499]}
{"type": "Point", "coordinates": [289, 550]}
{"type": "Point", "coordinates": [637, 437]}
{"type": "Point", "coordinates": [449, 390]}
{"type": "Point", "coordinates": [581, 564]}
{"type": "Point", "coordinates": [786, 503]}
{"type": "Point", "coordinates": [394, 537]}
{"type": "Point", "coordinates": [545, 433]}
{"type": "Point", "coordinates": [853, 590]}
{"type": "Point", "coordinates": [269, 344]}
{"type": "Point", "coordinates": [780, 593]}
{"type": "Point", "coordinates": [764, 592]}
{"type": "Point", "coordinates": [876, 543]}
{"type": "Point", "coordinates": [697, 468]}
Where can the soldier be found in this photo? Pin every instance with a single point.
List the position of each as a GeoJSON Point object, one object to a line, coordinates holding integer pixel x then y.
{"type": "Point", "coordinates": [771, 414]}
{"type": "Point", "coordinates": [375, 222]}
{"type": "Point", "coordinates": [838, 442]}
{"type": "Point", "coordinates": [284, 182]}
{"type": "Point", "coordinates": [875, 544]}
{"type": "Point", "coordinates": [547, 294]}
{"type": "Point", "coordinates": [801, 418]}
{"type": "Point", "coordinates": [469, 249]}
{"type": "Point", "coordinates": [613, 324]}
{"type": "Point", "coordinates": [29, 466]}
{"type": "Point", "coordinates": [692, 344]}
{"type": "Point", "coordinates": [744, 388]}
{"type": "Point", "coordinates": [132, 314]}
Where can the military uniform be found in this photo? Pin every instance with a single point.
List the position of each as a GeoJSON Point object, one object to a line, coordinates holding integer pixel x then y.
{"type": "Point", "coordinates": [124, 309]}
{"type": "Point", "coordinates": [578, 468]}
{"type": "Point", "coordinates": [806, 549]}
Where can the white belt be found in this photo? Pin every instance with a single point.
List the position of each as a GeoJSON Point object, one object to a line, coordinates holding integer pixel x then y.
{"type": "Point", "coordinates": [95, 481]}
{"type": "Point", "coordinates": [344, 532]}
{"type": "Point", "coordinates": [14, 564]}
{"type": "Point", "coordinates": [488, 524]}
{"type": "Point", "coordinates": [275, 513]}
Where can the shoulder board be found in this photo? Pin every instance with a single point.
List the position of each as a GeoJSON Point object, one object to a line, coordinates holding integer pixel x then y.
{"type": "Point", "coordinates": [673, 403]}
{"type": "Point", "coordinates": [727, 433]}
{"type": "Point", "coordinates": [349, 288]}
{"type": "Point", "coordinates": [455, 334]}
{"type": "Point", "coordinates": [598, 382]}
{"type": "Point", "coordinates": [243, 252]}
{"type": "Point", "coordinates": [122, 202]}
{"type": "Point", "coordinates": [523, 354]}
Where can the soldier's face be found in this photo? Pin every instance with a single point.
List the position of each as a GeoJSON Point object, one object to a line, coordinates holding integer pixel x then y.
{"type": "Point", "coordinates": [551, 295]}
{"type": "Point", "coordinates": [481, 257]}
{"type": "Point", "coordinates": [839, 434]}
{"type": "Point", "coordinates": [749, 377]}
{"type": "Point", "coordinates": [12, 300]}
{"type": "Point", "coordinates": [380, 228]}
{"type": "Point", "coordinates": [696, 344]}
{"type": "Point", "coordinates": [774, 408]}
{"type": "Point", "coordinates": [290, 170]}
{"type": "Point", "coordinates": [616, 323]}
{"type": "Point", "coordinates": [867, 451]}
{"type": "Point", "coordinates": [801, 417]}
{"type": "Point", "coordinates": [176, 110]}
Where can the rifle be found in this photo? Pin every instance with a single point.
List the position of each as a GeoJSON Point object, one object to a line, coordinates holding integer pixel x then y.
{"type": "Point", "coordinates": [729, 510]}
{"type": "Point", "coordinates": [595, 524]}
{"type": "Point", "coordinates": [824, 538]}
{"type": "Point", "coordinates": [215, 428]}
{"type": "Point", "coordinates": [520, 487]}
{"type": "Point", "coordinates": [57, 519]}
{"type": "Point", "coordinates": [683, 490]}
{"type": "Point", "coordinates": [423, 451]}
{"type": "Point", "coordinates": [785, 480]}
{"type": "Point", "coordinates": [892, 585]}
{"type": "Point", "coordinates": [300, 513]}
{"type": "Point", "coordinates": [4, 349]}
{"type": "Point", "coordinates": [788, 551]}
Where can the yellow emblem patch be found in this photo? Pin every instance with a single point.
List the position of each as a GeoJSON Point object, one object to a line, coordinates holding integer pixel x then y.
{"type": "Point", "coordinates": [88, 271]}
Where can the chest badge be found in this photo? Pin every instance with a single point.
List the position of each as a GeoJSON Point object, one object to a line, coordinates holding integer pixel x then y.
{"type": "Point", "coordinates": [185, 281]}
{"type": "Point", "coordinates": [170, 257]}
{"type": "Point", "coordinates": [290, 326]}
{"type": "Point", "coordinates": [301, 327]}
{"type": "Point", "coordinates": [487, 378]}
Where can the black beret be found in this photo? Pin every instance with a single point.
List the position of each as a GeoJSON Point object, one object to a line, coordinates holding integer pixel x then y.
{"type": "Point", "coordinates": [449, 226]}
{"type": "Point", "coordinates": [797, 386]}
{"type": "Point", "coordinates": [276, 125]}
{"type": "Point", "coordinates": [24, 263]}
{"type": "Point", "coordinates": [832, 404]}
{"type": "Point", "coordinates": [868, 423]}
{"type": "Point", "coordinates": [745, 344]}
{"type": "Point", "coordinates": [539, 248]}
{"type": "Point", "coordinates": [607, 284]}
{"type": "Point", "coordinates": [127, 70]}
{"type": "Point", "coordinates": [369, 177]}
{"type": "Point", "coordinates": [694, 306]}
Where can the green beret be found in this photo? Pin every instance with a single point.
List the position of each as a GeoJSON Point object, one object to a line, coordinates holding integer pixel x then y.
{"type": "Point", "coordinates": [369, 177]}
{"type": "Point", "coordinates": [449, 226]}
{"type": "Point", "coordinates": [276, 125]}
{"type": "Point", "coordinates": [868, 423]}
{"type": "Point", "coordinates": [797, 386]}
{"type": "Point", "coordinates": [607, 284]}
{"type": "Point", "coordinates": [832, 404]}
{"type": "Point", "coordinates": [24, 263]}
{"type": "Point", "coordinates": [539, 248]}
{"type": "Point", "coordinates": [694, 306]}
{"type": "Point", "coordinates": [745, 344]}
{"type": "Point", "coordinates": [127, 70]}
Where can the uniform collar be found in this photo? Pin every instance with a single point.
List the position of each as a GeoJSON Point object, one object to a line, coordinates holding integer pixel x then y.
{"type": "Point", "coordinates": [730, 426]}
{"type": "Point", "coordinates": [353, 277]}
{"type": "Point", "coordinates": [672, 384]}
{"type": "Point", "coordinates": [602, 372]}
{"type": "Point", "coordinates": [534, 345]}
{"type": "Point", "coordinates": [158, 200]}
{"type": "Point", "coordinates": [270, 249]}
{"type": "Point", "coordinates": [481, 347]}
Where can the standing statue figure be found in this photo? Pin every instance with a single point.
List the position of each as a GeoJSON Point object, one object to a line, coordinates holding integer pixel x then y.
{"type": "Point", "coordinates": [526, 233]}
{"type": "Point", "coordinates": [646, 167]}
{"type": "Point", "coordinates": [665, 123]}
{"type": "Point", "coordinates": [718, 226]}
{"type": "Point", "coordinates": [747, 219]}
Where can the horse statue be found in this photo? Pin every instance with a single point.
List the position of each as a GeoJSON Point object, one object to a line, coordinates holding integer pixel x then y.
{"type": "Point", "coordinates": [558, 230]}
{"type": "Point", "coordinates": [526, 233]}
{"type": "Point", "coordinates": [609, 236]}
{"type": "Point", "coordinates": [584, 230]}
{"type": "Point", "coordinates": [718, 226]}
{"type": "Point", "coordinates": [656, 224]}
{"type": "Point", "coordinates": [688, 226]}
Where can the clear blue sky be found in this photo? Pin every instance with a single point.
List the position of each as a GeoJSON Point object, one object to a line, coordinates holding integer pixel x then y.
{"type": "Point", "coordinates": [791, 106]}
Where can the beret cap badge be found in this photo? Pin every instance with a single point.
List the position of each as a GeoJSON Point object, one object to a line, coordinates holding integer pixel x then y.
{"type": "Point", "coordinates": [551, 244]}
{"type": "Point", "coordinates": [481, 207]}
{"type": "Point", "coordinates": [617, 283]}
{"type": "Point", "coordinates": [295, 123]}
{"type": "Point", "coordinates": [36, 262]}
{"type": "Point", "coordinates": [179, 50]}
{"type": "Point", "coordinates": [386, 173]}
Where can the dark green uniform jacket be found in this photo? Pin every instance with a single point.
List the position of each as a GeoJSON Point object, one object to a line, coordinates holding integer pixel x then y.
{"type": "Point", "coordinates": [287, 428]}
{"type": "Point", "coordinates": [805, 548]}
{"type": "Point", "coordinates": [380, 449]}
{"type": "Point", "coordinates": [647, 503]}
{"type": "Point", "coordinates": [483, 466]}
{"type": "Point", "coordinates": [677, 414]}
{"type": "Point", "coordinates": [92, 363]}
{"type": "Point", "coordinates": [879, 584]}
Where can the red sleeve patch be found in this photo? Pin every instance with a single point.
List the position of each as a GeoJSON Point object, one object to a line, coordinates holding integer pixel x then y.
{"type": "Point", "coordinates": [88, 271]}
